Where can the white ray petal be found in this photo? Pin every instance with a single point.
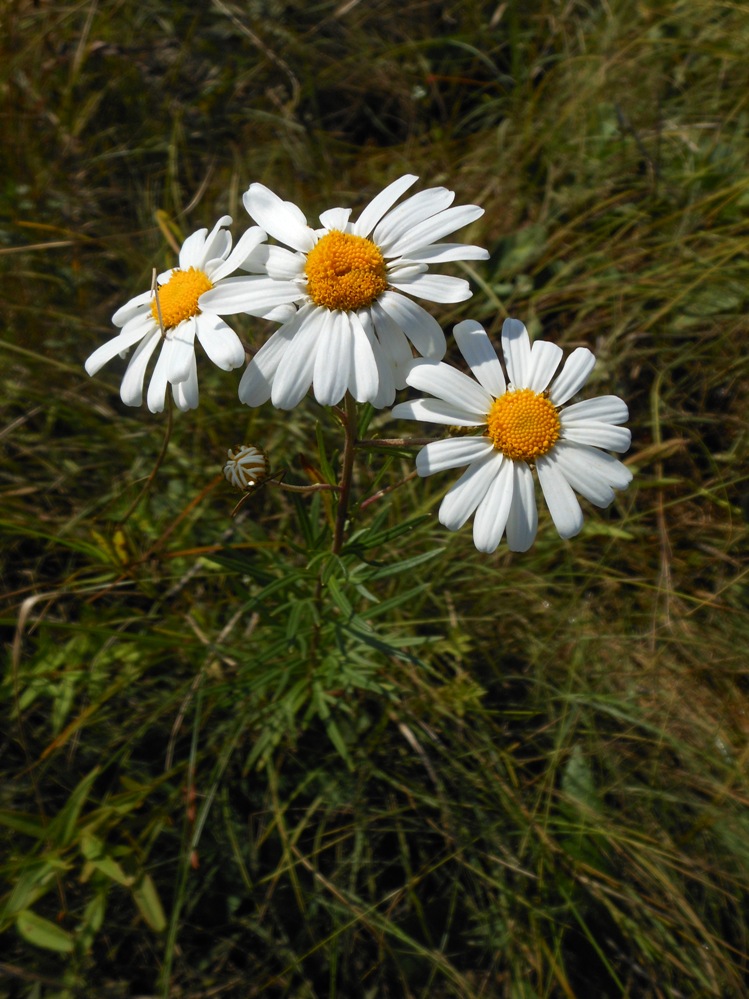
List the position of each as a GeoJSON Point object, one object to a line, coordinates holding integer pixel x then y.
{"type": "Point", "coordinates": [279, 219]}
{"type": "Point", "coordinates": [220, 342]}
{"type": "Point", "coordinates": [247, 245]}
{"type": "Point", "coordinates": [132, 308]}
{"type": "Point", "coordinates": [477, 349]}
{"type": "Point", "coordinates": [421, 328]}
{"type": "Point", "coordinates": [452, 386]}
{"type": "Point", "coordinates": [573, 375]}
{"type": "Point", "coordinates": [560, 499]}
{"type": "Point", "coordinates": [123, 341]}
{"type": "Point", "coordinates": [493, 510]}
{"type": "Point", "coordinates": [131, 390]}
{"type": "Point", "coordinates": [603, 409]}
{"type": "Point", "coordinates": [364, 383]}
{"type": "Point", "coordinates": [381, 203]}
{"type": "Point", "coordinates": [597, 434]}
{"type": "Point", "coordinates": [182, 353]}
{"type": "Point", "coordinates": [592, 473]}
{"type": "Point", "coordinates": [435, 228]}
{"type": "Point", "coordinates": [451, 452]}
{"type": "Point", "coordinates": [410, 213]}
{"type": "Point", "coordinates": [394, 343]}
{"type": "Point", "coordinates": [185, 393]}
{"type": "Point", "coordinates": [545, 358]}
{"type": "Point", "coordinates": [332, 369]}
{"type": "Point", "coordinates": [522, 523]}
{"type": "Point", "coordinates": [336, 218]}
{"type": "Point", "coordinates": [385, 393]}
{"type": "Point", "coordinates": [435, 411]}
{"type": "Point", "coordinates": [516, 347]}
{"type": "Point", "coordinates": [159, 378]}
{"type": "Point", "coordinates": [294, 375]}
{"type": "Point", "coordinates": [257, 379]}
{"type": "Point", "coordinates": [254, 295]}
{"type": "Point", "coordinates": [191, 251]}
{"type": "Point", "coordinates": [442, 253]}
{"type": "Point", "coordinates": [469, 490]}
{"type": "Point", "coordinates": [433, 287]}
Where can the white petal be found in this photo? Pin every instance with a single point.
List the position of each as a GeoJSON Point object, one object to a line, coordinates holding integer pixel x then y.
{"type": "Point", "coordinates": [442, 253]}
{"type": "Point", "coordinates": [562, 503]}
{"type": "Point", "coordinates": [522, 523]}
{"type": "Point", "coordinates": [516, 347]}
{"type": "Point", "coordinates": [182, 353]}
{"type": "Point", "coordinates": [159, 378]}
{"type": "Point", "coordinates": [131, 390]}
{"type": "Point", "coordinates": [186, 392]}
{"type": "Point", "coordinates": [364, 384]}
{"type": "Point", "coordinates": [385, 372]}
{"type": "Point", "coordinates": [254, 295]}
{"type": "Point", "coordinates": [596, 434]}
{"type": "Point", "coordinates": [545, 358]}
{"type": "Point", "coordinates": [332, 369]}
{"type": "Point", "coordinates": [276, 262]}
{"type": "Point", "coordinates": [394, 343]}
{"type": "Point", "coordinates": [218, 242]}
{"type": "Point", "coordinates": [573, 375]}
{"type": "Point", "coordinates": [477, 349]}
{"type": "Point", "coordinates": [247, 245]}
{"type": "Point", "coordinates": [294, 375]}
{"type": "Point", "coordinates": [592, 473]}
{"type": "Point", "coordinates": [469, 490]}
{"type": "Point", "coordinates": [493, 510]}
{"type": "Point", "coordinates": [434, 228]}
{"type": "Point", "coordinates": [336, 218]}
{"type": "Point", "coordinates": [603, 409]}
{"type": "Point", "coordinates": [191, 253]}
{"type": "Point", "coordinates": [132, 308]}
{"type": "Point", "coordinates": [410, 213]}
{"type": "Point", "coordinates": [451, 452]}
{"type": "Point", "coordinates": [379, 205]}
{"type": "Point", "coordinates": [434, 287]}
{"type": "Point", "coordinates": [435, 411]}
{"type": "Point", "coordinates": [220, 342]}
{"type": "Point", "coordinates": [280, 220]}
{"type": "Point", "coordinates": [123, 341]}
{"type": "Point", "coordinates": [278, 314]}
{"type": "Point", "coordinates": [421, 328]}
{"type": "Point", "coordinates": [450, 385]}
{"type": "Point", "coordinates": [404, 270]}
{"type": "Point", "coordinates": [257, 379]}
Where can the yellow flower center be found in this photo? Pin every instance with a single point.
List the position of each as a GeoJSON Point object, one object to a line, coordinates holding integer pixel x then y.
{"type": "Point", "coordinates": [523, 424]}
{"type": "Point", "coordinates": [345, 272]}
{"type": "Point", "coordinates": [178, 298]}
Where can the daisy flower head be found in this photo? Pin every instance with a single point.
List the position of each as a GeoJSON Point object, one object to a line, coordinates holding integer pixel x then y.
{"type": "Point", "coordinates": [177, 315]}
{"type": "Point", "coordinates": [521, 424]}
{"type": "Point", "coordinates": [356, 324]}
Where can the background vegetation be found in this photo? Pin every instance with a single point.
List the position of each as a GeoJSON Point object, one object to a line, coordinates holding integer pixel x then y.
{"type": "Point", "coordinates": [505, 776]}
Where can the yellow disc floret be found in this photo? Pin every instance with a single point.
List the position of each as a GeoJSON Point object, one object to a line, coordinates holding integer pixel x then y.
{"type": "Point", "coordinates": [345, 272]}
{"type": "Point", "coordinates": [178, 298]}
{"type": "Point", "coordinates": [523, 424]}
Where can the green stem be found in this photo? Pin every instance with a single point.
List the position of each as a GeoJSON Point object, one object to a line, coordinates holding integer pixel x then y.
{"type": "Point", "coordinates": [349, 426]}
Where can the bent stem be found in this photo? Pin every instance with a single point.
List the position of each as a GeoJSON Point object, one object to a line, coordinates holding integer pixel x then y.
{"type": "Point", "coordinates": [349, 425]}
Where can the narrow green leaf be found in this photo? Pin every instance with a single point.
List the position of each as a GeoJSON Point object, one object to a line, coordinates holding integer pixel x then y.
{"type": "Point", "coordinates": [149, 904]}
{"type": "Point", "coordinates": [42, 933]}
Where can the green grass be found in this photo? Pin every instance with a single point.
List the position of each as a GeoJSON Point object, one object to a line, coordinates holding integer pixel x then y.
{"type": "Point", "coordinates": [505, 776]}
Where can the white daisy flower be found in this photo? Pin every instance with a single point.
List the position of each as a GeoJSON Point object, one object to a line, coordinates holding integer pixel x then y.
{"type": "Point", "coordinates": [205, 261]}
{"type": "Point", "coordinates": [523, 424]}
{"type": "Point", "coordinates": [247, 466]}
{"type": "Point", "coordinates": [355, 325]}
